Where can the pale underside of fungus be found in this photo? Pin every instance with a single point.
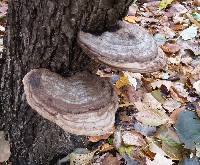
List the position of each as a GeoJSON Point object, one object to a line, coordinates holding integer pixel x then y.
{"type": "Point", "coordinates": [130, 48]}
{"type": "Point", "coordinates": [82, 104]}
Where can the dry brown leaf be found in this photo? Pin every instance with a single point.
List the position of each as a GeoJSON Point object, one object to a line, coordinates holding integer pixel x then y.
{"type": "Point", "coordinates": [133, 95]}
{"type": "Point", "coordinates": [98, 138]}
{"type": "Point", "coordinates": [178, 96]}
{"type": "Point", "coordinates": [171, 104]}
{"type": "Point", "coordinates": [111, 160]}
{"type": "Point", "coordinates": [159, 83]}
{"type": "Point", "coordinates": [178, 27]}
{"type": "Point", "coordinates": [132, 19]}
{"type": "Point", "coordinates": [133, 138]}
{"type": "Point", "coordinates": [150, 111]}
{"type": "Point", "coordinates": [175, 114]}
{"type": "Point", "coordinates": [160, 157]}
{"type": "Point", "coordinates": [4, 148]}
{"type": "Point", "coordinates": [106, 147]}
{"type": "Point", "coordinates": [170, 48]}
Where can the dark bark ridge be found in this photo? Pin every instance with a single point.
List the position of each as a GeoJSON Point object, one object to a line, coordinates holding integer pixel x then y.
{"type": "Point", "coordinates": [42, 33]}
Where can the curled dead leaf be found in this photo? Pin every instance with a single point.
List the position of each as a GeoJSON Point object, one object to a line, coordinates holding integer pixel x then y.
{"type": "Point", "coordinates": [133, 138]}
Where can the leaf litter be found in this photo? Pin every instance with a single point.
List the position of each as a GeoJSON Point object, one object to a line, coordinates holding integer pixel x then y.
{"type": "Point", "coordinates": [158, 123]}
{"type": "Point", "coordinates": [158, 120]}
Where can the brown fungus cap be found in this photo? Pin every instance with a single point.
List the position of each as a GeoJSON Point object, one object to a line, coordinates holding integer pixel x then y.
{"type": "Point", "coordinates": [83, 104]}
{"type": "Point", "coordinates": [130, 48]}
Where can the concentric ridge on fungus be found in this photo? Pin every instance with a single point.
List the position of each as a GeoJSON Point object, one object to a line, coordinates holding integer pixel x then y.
{"type": "Point", "coordinates": [130, 48]}
{"type": "Point", "coordinates": [83, 104]}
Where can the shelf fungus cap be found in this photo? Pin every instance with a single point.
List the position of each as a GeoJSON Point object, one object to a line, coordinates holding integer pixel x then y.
{"type": "Point", "coordinates": [130, 48]}
{"type": "Point", "coordinates": [83, 104]}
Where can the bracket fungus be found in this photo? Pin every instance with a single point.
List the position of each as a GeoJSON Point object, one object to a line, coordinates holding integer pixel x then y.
{"type": "Point", "coordinates": [83, 104]}
{"type": "Point", "coordinates": [130, 48]}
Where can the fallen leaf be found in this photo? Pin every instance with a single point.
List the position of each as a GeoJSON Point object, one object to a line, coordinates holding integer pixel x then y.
{"type": "Point", "coordinates": [175, 114]}
{"type": "Point", "coordinates": [131, 19]}
{"type": "Point", "coordinates": [197, 2]}
{"type": "Point", "coordinates": [150, 111]}
{"type": "Point", "coordinates": [3, 9]}
{"type": "Point", "coordinates": [160, 157]}
{"type": "Point", "coordinates": [158, 96]}
{"type": "Point", "coordinates": [160, 38]}
{"type": "Point", "coordinates": [152, 117]}
{"type": "Point", "coordinates": [164, 3]}
{"type": "Point", "coordinates": [123, 81]}
{"type": "Point", "coordinates": [174, 60]}
{"type": "Point", "coordinates": [144, 129]}
{"type": "Point", "coordinates": [178, 92]}
{"type": "Point", "coordinates": [191, 161]}
{"type": "Point", "coordinates": [170, 142]}
{"type": "Point", "coordinates": [130, 161]}
{"type": "Point", "coordinates": [133, 138]}
{"type": "Point", "coordinates": [4, 148]}
{"type": "Point", "coordinates": [196, 86]}
{"type": "Point", "coordinates": [192, 45]}
{"type": "Point", "coordinates": [189, 33]}
{"type": "Point", "coordinates": [111, 160]}
{"type": "Point", "coordinates": [196, 16]}
{"type": "Point", "coordinates": [106, 147]}
{"type": "Point", "coordinates": [168, 32]}
{"type": "Point", "coordinates": [176, 9]}
{"type": "Point", "coordinates": [80, 156]}
{"type": "Point", "coordinates": [2, 28]}
{"type": "Point", "coordinates": [98, 138]}
{"type": "Point", "coordinates": [133, 95]}
{"type": "Point", "coordinates": [126, 150]}
{"type": "Point", "coordinates": [159, 83]}
{"type": "Point", "coordinates": [117, 141]}
{"type": "Point", "coordinates": [171, 104]}
{"type": "Point", "coordinates": [170, 48]}
{"type": "Point", "coordinates": [178, 27]}
{"type": "Point", "coordinates": [188, 129]}
{"type": "Point", "coordinates": [197, 146]}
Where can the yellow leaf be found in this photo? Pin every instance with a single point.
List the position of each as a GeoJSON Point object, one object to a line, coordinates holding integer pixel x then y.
{"type": "Point", "coordinates": [164, 3]}
{"type": "Point", "coordinates": [123, 81]}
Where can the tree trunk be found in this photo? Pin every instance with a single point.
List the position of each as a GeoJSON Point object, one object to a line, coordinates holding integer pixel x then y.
{"type": "Point", "coordinates": [42, 34]}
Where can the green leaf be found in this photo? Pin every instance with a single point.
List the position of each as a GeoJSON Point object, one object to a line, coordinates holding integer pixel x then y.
{"type": "Point", "coordinates": [188, 129]}
{"type": "Point", "coordinates": [170, 142]}
{"type": "Point", "coordinates": [126, 150]}
{"type": "Point", "coordinates": [158, 96]}
{"type": "Point", "coordinates": [110, 141]}
{"type": "Point", "coordinates": [196, 16]}
{"type": "Point", "coordinates": [164, 3]}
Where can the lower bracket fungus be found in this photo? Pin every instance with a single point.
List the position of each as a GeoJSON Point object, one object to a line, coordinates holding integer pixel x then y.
{"type": "Point", "coordinates": [130, 48]}
{"type": "Point", "coordinates": [83, 104]}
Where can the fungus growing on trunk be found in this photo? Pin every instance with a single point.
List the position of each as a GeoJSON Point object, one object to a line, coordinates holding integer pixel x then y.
{"type": "Point", "coordinates": [83, 104]}
{"type": "Point", "coordinates": [129, 48]}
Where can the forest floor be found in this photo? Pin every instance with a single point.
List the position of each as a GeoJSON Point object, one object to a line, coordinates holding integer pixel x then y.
{"type": "Point", "coordinates": [158, 120]}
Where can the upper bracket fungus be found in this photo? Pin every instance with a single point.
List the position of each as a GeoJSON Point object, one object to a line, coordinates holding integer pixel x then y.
{"type": "Point", "coordinates": [83, 104]}
{"type": "Point", "coordinates": [129, 48]}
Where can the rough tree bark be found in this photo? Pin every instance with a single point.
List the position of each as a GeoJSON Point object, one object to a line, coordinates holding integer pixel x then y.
{"type": "Point", "coordinates": [42, 33]}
